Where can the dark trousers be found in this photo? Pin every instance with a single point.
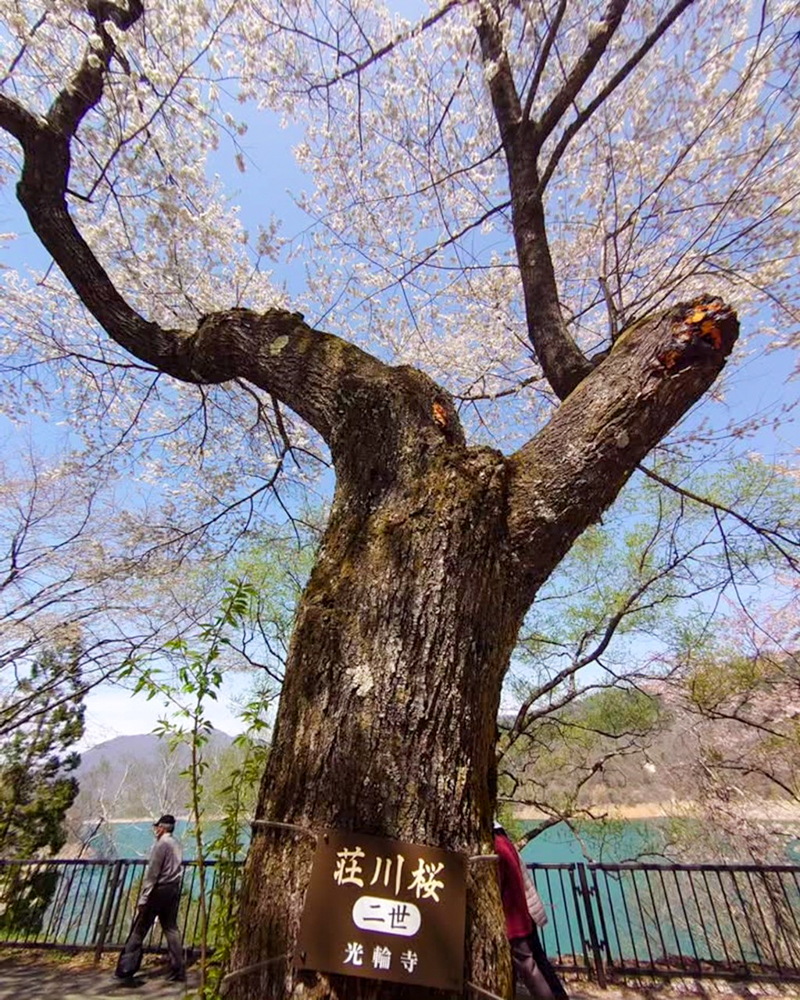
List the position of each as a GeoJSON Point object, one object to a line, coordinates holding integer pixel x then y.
{"type": "Point", "coordinates": [533, 969]}
{"type": "Point", "coordinates": [543, 962]}
{"type": "Point", "coordinates": [163, 902]}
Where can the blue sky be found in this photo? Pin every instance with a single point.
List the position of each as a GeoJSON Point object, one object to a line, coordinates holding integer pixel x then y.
{"type": "Point", "coordinates": [264, 189]}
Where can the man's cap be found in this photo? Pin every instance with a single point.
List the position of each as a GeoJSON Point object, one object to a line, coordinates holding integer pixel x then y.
{"type": "Point", "coordinates": [165, 820]}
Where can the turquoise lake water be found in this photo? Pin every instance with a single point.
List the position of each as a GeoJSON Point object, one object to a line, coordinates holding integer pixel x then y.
{"type": "Point", "coordinates": [612, 842]}
{"type": "Point", "coordinates": [641, 915]}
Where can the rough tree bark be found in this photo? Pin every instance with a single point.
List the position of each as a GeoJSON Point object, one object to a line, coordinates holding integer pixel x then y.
{"type": "Point", "coordinates": [432, 556]}
{"type": "Point", "coordinates": [434, 550]}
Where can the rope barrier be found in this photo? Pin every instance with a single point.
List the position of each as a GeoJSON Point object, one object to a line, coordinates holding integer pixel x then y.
{"type": "Point", "coordinates": [274, 824]}
{"type": "Point", "coordinates": [240, 973]}
{"type": "Point", "coordinates": [482, 991]}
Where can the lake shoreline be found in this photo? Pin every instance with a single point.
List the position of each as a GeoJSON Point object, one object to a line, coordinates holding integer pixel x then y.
{"type": "Point", "coordinates": [640, 830]}
{"type": "Point", "coordinates": [149, 821]}
{"type": "Point", "coordinates": [762, 809]}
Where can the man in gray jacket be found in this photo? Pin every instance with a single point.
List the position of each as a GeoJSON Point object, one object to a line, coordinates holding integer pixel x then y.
{"type": "Point", "coordinates": [160, 897]}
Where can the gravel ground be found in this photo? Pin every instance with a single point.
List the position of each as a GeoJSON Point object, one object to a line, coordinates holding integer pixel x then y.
{"type": "Point", "coordinates": [60, 978]}
{"type": "Point", "coordinates": [36, 976]}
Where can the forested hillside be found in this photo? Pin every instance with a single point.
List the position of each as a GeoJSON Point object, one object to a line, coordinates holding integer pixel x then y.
{"type": "Point", "coordinates": [140, 776]}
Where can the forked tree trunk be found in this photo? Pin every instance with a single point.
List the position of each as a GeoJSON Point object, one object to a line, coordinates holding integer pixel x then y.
{"type": "Point", "coordinates": [433, 555]}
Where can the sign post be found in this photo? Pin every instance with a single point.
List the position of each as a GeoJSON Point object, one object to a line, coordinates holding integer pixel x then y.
{"type": "Point", "coordinates": [385, 909]}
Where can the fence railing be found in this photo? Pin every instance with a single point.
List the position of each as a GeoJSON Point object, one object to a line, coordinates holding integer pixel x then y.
{"type": "Point", "coordinates": [89, 905]}
{"type": "Point", "coordinates": [606, 921]}
{"type": "Point", "coordinates": [673, 920]}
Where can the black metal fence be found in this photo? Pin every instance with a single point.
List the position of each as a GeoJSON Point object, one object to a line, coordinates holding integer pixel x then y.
{"type": "Point", "coordinates": [610, 921]}
{"type": "Point", "coordinates": [606, 921]}
{"type": "Point", "coordinates": [90, 905]}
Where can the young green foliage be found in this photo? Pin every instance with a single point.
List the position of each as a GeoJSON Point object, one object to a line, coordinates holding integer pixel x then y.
{"type": "Point", "coordinates": [38, 785]}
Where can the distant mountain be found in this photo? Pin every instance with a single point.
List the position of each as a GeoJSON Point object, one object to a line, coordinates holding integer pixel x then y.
{"type": "Point", "coordinates": [134, 776]}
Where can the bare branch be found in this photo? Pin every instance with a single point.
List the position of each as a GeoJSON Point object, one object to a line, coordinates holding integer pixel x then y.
{"type": "Point", "coordinates": [600, 35]}
{"type": "Point", "coordinates": [563, 363]}
{"type": "Point", "coordinates": [619, 77]}
{"type": "Point", "coordinates": [384, 50]}
{"type": "Point", "coordinates": [774, 538]}
{"type": "Point", "coordinates": [544, 55]}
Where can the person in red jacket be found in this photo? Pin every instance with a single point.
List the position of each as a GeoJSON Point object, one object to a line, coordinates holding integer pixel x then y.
{"type": "Point", "coordinates": [519, 898]}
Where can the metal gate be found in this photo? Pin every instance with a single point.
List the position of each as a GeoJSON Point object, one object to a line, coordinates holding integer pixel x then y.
{"type": "Point", "coordinates": [616, 920]}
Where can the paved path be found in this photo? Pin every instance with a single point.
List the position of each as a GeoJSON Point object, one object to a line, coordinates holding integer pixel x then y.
{"type": "Point", "coordinates": [55, 981]}
{"type": "Point", "coordinates": [53, 978]}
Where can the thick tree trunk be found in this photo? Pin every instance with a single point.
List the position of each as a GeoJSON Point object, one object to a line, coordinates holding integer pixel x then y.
{"type": "Point", "coordinates": [433, 555]}
{"type": "Point", "coordinates": [388, 713]}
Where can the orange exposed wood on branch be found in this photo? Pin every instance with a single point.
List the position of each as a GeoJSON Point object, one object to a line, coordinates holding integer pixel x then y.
{"type": "Point", "coordinates": [707, 326]}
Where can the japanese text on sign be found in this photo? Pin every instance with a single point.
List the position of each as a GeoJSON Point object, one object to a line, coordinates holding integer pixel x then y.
{"type": "Point", "coordinates": [385, 909]}
{"type": "Point", "coordinates": [424, 879]}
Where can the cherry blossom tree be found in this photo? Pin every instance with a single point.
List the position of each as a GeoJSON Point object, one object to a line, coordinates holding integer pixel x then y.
{"type": "Point", "coordinates": [533, 209]}
{"type": "Point", "coordinates": [80, 570]}
{"type": "Point", "coordinates": [63, 578]}
{"type": "Point", "coordinates": [745, 688]}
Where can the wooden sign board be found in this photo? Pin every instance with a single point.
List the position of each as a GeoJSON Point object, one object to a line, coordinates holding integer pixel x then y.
{"type": "Point", "coordinates": [385, 909]}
